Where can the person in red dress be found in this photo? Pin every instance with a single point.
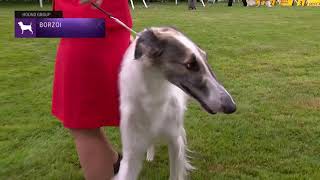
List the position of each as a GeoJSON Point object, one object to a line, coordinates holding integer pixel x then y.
{"type": "Point", "coordinates": [85, 88]}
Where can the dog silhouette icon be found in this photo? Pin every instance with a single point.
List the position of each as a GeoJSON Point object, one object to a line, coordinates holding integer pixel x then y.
{"type": "Point", "coordinates": [25, 27]}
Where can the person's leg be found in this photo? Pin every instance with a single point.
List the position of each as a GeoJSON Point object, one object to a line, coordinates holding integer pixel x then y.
{"type": "Point", "coordinates": [95, 153]}
{"type": "Point", "coordinates": [230, 2]}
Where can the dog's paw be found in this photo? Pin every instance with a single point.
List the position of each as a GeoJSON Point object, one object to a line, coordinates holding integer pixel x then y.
{"type": "Point", "coordinates": [149, 158]}
{"type": "Point", "coordinates": [150, 153]}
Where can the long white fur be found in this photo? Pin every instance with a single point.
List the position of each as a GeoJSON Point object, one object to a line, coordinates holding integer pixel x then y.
{"type": "Point", "coordinates": [151, 109]}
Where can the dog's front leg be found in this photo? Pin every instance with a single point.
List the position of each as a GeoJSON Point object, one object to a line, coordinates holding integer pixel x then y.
{"type": "Point", "coordinates": [177, 158]}
{"type": "Point", "coordinates": [179, 164]}
{"type": "Point", "coordinates": [130, 167]}
{"type": "Point", "coordinates": [134, 147]}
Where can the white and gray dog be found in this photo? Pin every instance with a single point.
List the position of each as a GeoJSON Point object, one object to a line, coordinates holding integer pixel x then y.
{"type": "Point", "coordinates": [160, 69]}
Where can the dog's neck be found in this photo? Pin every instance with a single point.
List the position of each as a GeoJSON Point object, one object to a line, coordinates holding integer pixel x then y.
{"type": "Point", "coordinates": [155, 82]}
{"type": "Point", "coordinates": [144, 78]}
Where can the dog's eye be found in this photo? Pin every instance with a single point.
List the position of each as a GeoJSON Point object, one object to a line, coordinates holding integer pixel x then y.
{"type": "Point", "coordinates": [193, 66]}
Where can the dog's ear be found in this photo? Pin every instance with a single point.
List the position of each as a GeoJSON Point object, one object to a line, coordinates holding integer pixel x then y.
{"type": "Point", "coordinates": [148, 44]}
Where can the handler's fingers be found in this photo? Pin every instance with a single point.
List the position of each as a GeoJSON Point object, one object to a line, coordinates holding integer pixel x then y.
{"type": "Point", "coordinates": [131, 38]}
{"type": "Point", "coordinates": [84, 1]}
{"type": "Point", "coordinates": [99, 2]}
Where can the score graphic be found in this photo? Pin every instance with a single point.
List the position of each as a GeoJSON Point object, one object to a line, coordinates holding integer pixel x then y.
{"type": "Point", "coordinates": [50, 24]}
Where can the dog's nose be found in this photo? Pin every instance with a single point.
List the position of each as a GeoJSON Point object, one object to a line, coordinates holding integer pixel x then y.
{"type": "Point", "coordinates": [230, 108]}
{"type": "Point", "coordinates": [228, 105]}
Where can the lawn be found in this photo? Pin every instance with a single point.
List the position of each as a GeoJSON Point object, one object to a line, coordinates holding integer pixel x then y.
{"type": "Point", "coordinates": [267, 58]}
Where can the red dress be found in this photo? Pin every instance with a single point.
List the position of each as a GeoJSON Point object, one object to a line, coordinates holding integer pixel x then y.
{"type": "Point", "coordinates": [85, 88]}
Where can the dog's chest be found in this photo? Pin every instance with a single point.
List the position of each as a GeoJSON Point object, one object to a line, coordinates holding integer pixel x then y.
{"type": "Point", "coordinates": [160, 115]}
{"type": "Point", "coordinates": [162, 105]}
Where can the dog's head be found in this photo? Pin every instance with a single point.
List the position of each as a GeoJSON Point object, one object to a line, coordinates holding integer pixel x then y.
{"type": "Point", "coordinates": [185, 65]}
{"type": "Point", "coordinates": [20, 23]}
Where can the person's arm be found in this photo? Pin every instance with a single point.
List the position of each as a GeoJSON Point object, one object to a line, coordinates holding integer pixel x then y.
{"type": "Point", "coordinates": [99, 2]}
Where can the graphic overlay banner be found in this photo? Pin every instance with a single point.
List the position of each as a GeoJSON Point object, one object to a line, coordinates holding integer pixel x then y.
{"type": "Point", "coordinates": [38, 14]}
{"type": "Point", "coordinates": [50, 24]}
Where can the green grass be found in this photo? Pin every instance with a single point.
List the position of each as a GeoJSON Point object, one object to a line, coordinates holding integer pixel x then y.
{"type": "Point", "coordinates": [268, 59]}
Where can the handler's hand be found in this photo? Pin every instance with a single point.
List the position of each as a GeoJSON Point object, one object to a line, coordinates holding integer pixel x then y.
{"type": "Point", "coordinates": [131, 39]}
{"type": "Point", "coordinates": [97, 2]}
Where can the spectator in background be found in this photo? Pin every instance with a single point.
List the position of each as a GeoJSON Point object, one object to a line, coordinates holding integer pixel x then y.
{"type": "Point", "coordinates": [231, 1]}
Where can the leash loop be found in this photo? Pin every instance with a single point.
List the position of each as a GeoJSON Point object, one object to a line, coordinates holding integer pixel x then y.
{"type": "Point", "coordinates": [114, 18]}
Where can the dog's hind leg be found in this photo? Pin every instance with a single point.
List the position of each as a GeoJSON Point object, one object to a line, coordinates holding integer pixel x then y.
{"type": "Point", "coordinates": [150, 153]}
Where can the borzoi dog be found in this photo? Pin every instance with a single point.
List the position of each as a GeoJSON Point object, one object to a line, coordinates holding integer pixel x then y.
{"type": "Point", "coordinates": [160, 69]}
{"type": "Point", "coordinates": [25, 27]}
